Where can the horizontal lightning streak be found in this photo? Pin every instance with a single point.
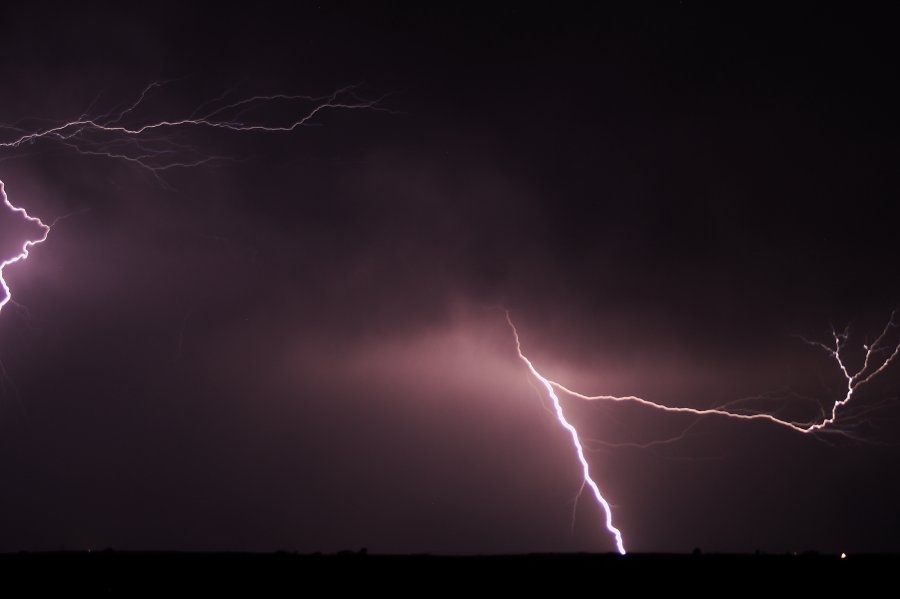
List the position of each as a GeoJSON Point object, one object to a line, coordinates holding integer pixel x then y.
{"type": "Point", "coordinates": [854, 381]}
{"type": "Point", "coordinates": [110, 136]}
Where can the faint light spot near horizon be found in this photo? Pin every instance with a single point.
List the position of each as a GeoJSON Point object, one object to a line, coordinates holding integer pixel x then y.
{"type": "Point", "coordinates": [843, 555]}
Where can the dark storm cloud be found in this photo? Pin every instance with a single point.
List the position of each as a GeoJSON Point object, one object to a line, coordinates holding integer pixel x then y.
{"type": "Point", "coordinates": [302, 349]}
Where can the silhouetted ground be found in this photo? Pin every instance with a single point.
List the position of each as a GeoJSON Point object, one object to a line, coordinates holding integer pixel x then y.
{"type": "Point", "coordinates": [714, 575]}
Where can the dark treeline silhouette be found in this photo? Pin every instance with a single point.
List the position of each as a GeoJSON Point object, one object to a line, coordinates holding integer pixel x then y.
{"type": "Point", "coordinates": [696, 573]}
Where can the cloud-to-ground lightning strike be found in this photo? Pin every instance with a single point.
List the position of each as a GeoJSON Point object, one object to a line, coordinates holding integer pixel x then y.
{"type": "Point", "coordinates": [579, 449]}
{"type": "Point", "coordinates": [146, 145]}
{"type": "Point", "coordinates": [855, 379]}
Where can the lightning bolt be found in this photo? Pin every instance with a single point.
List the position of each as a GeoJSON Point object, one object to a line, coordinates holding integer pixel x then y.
{"type": "Point", "coordinates": [26, 246]}
{"type": "Point", "coordinates": [152, 145]}
{"type": "Point", "coordinates": [869, 369]}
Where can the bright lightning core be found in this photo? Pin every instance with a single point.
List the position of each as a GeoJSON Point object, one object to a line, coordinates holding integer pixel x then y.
{"type": "Point", "coordinates": [23, 251]}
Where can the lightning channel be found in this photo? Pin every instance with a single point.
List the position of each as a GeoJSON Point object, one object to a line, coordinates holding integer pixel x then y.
{"type": "Point", "coordinates": [24, 250]}
{"type": "Point", "coordinates": [579, 449]}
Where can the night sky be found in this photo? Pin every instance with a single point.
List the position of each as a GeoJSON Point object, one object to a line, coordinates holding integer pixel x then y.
{"type": "Point", "coordinates": [303, 346]}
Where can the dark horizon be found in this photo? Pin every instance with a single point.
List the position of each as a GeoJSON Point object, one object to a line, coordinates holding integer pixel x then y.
{"type": "Point", "coordinates": [233, 572]}
{"type": "Point", "coordinates": [301, 344]}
